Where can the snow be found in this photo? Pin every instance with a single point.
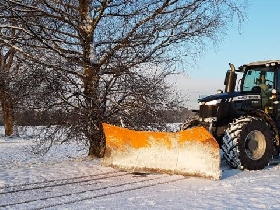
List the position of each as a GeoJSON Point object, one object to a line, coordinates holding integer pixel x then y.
{"type": "Point", "coordinates": [66, 179]}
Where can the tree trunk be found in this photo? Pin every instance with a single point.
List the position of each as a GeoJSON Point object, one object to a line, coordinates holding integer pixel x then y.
{"type": "Point", "coordinates": [97, 144]}
{"type": "Point", "coordinates": [93, 110]}
{"type": "Point", "coordinates": [94, 131]}
{"type": "Point", "coordinates": [8, 114]}
{"type": "Point", "coordinates": [6, 62]}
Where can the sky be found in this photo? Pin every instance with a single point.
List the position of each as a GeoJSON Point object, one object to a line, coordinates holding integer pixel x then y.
{"type": "Point", "coordinates": [256, 39]}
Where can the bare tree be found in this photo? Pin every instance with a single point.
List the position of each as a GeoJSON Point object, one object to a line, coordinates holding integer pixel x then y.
{"type": "Point", "coordinates": [9, 64]}
{"type": "Point", "coordinates": [103, 46]}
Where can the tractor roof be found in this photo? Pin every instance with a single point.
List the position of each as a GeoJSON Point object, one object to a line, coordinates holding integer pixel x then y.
{"type": "Point", "coordinates": [260, 63]}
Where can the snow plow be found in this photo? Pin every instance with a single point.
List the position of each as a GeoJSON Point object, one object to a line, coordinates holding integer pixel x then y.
{"type": "Point", "coordinates": [192, 152]}
{"type": "Point", "coordinates": [244, 124]}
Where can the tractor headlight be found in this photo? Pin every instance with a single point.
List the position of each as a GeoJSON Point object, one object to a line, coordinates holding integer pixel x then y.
{"type": "Point", "coordinates": [219, 91]}
{"type": "Point", "coordinates": [213, 102]}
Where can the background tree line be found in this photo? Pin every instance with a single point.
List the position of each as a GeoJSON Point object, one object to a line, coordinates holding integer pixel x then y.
{"type": "Point", "coordinates": [100, 61]}
{"type": "Point", "coordinates": [27, 117]}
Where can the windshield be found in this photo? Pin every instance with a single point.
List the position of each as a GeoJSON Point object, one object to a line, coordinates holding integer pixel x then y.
{"type": "Point", "coordinates": [258, 77]}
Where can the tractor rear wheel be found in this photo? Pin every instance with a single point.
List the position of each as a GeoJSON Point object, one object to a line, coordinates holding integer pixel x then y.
{"type": "Point", "coordinates": [248, 143]}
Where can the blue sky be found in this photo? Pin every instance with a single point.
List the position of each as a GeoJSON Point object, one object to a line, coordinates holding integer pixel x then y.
{"type": "Point", "coordinates": [257, 39]}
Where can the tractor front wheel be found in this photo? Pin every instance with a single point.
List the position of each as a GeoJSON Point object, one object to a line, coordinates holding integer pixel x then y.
{"type": "Point", "coordinates": [248, 143]}
{"type": "Point", "coordinates": [194, 122]}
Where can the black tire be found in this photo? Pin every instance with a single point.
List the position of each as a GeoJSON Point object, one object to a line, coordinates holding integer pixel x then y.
{"type": "Point", "coordinates": [194, 122]}
{"type": "Point", "coordinates": [190, 122]}
{"type": "Point", "coordinates": [248, 143]}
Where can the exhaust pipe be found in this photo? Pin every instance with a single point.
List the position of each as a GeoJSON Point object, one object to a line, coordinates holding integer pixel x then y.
{"type": "Point", "coordinates": [230, 79]}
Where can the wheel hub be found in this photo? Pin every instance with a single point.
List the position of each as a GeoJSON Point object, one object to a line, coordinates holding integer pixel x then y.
{"type": "Point", "coordinates": [252, 145]}
{"type": "Point", "coordinates": [255, 145]}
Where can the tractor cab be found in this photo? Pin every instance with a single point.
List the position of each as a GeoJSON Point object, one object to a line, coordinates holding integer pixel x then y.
{"type": "Point", "coordinates": [260, 83]}
{"type": "Point", "coordinates": [259, 76]}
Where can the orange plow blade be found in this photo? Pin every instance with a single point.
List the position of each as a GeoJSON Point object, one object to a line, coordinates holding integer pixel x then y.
{"type": "Point", "coordinates": [193, 152]}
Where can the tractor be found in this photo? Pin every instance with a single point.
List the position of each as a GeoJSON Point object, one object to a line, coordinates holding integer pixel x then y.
{"type": "Point", "coordinates": [244, 118]}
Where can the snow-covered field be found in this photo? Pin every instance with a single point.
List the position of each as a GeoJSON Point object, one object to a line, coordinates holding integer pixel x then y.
{"type": "Point", "coordinates": [66, 179]}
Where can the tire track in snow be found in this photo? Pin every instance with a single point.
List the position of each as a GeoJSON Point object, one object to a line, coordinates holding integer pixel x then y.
{"type": "Point", "coordinates": [104, 194]}
{"type": "Point", "coordinates": [57, 182]}
{"type": "Point", "coordinates": [103, 187]}
{"type": "Point", "coordinates": [41, 187]}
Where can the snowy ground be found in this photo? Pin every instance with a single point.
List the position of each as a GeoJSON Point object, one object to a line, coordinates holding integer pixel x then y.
{"type": "Point", "coordinates": [66, 179]}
